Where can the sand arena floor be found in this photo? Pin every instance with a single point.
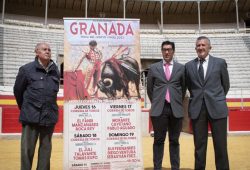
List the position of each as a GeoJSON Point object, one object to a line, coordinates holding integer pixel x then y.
{"type": "Point", "coordinates": [238, 148]}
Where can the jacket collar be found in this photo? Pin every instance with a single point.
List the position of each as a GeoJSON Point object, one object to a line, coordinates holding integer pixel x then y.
{"type": "Point", "coordinates": [209, 68]}
{"type": "Point", "coordinates": [39, 65]}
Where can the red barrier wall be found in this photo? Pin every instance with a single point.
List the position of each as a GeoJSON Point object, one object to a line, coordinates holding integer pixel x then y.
{"type": "Point", "coordinates": [10, 116]}
{"type": "Point", "coordinates": [10, 122]}
{"type": "Point", "coordinates": [238, 118]}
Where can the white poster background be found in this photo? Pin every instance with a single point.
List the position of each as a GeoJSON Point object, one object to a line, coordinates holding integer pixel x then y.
{"type": "Point", "coordinates": [101, 133]}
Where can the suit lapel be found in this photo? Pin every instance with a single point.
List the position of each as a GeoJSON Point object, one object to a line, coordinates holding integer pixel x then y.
{"type": "Point", "coordinates": [174, 70]}
{"type": "Point", "coordinates": [162, 72]}
{"type": "Point", "coordinates": [209, 68]}
{"type": "Point", "coordinates": [195, 70]}
{"type": "Point", "coordinates": [160, 69]}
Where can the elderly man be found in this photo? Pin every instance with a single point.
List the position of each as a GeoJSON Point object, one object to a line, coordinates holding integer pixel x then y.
{"type": "Point", "coordinates": [35, 89]}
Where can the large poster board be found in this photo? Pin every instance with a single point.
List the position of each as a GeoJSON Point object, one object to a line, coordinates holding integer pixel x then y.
{"type": "Point", "coordinates": [102, 114]}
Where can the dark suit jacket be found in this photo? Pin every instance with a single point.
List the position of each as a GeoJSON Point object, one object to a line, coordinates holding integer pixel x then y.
{"type": "Point", "coordinates": [157, 85]}
{"type": "Point", "coordinates": [214, 89]}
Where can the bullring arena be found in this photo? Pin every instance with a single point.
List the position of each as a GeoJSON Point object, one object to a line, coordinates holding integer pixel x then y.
{"type": "Point", "coordinates": [225, 22]}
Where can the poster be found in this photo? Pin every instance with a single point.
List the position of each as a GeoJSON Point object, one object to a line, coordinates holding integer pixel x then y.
{"type": "Point", "coordinates": [102, 114]}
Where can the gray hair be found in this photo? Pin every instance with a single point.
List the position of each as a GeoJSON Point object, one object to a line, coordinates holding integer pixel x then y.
{"type": "Point", "coordinates": [39, 44]}
{"type": "Point", "coordinates": [203, 38]}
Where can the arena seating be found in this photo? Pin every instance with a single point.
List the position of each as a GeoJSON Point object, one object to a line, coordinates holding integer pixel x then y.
{"type": "Point", "coordinates": [235, 48]}
{"type": "Point", "coordinates": [20, 37]}
{"type": "Point", "coordinates": [18, 43]}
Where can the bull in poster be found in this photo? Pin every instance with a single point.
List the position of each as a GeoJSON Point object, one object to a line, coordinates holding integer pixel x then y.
{"type": "Point", "coordinates": [119, 74]}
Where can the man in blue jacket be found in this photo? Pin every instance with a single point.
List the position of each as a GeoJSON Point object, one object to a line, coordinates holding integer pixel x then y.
{"type": "Point", "coordinates": [35, 89]}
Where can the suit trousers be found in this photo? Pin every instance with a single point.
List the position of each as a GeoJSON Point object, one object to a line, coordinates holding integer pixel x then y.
{"type": "Point", "coordinates": [219, 135]}
{"type": "Point", "coordinates": [161, 124]}
{"type": "Point", "coordinates": [30, 134]}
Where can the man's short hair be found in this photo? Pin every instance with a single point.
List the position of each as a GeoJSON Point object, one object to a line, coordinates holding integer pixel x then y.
{"type": "Point", "coordinates": [168, 43]}
{"type": "Point", "coordinates": [39, 44]}
{"type": "Point", "coordinates": [203, 38]}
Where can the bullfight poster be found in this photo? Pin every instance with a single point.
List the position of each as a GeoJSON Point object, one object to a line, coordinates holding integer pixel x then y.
{"type": "Point", "coordinates": [102, 113]}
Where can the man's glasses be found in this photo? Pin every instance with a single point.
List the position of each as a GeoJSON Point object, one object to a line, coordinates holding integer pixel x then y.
{"type": "Point", "coordinates": [167, 49]}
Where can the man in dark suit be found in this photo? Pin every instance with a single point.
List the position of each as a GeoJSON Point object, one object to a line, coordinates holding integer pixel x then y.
{"type": "Point", "coordinates": [166, 91]}
{"type": "Point", "coordinates": [207, 80]}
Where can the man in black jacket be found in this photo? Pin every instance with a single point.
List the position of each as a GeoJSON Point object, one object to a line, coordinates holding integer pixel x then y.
{"type": "Point", "coordinates": [35, 89]}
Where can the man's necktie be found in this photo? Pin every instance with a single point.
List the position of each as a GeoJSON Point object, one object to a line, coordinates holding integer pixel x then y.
{"type": "Point", "coordinates": [167, 73]}
{"type": "Point", "coordinates": [201, 70]}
